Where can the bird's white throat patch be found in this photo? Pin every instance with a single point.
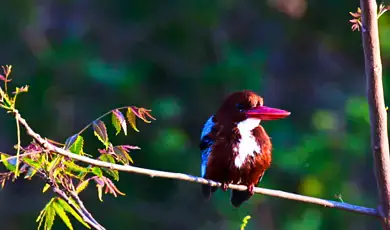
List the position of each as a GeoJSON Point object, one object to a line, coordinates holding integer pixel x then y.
{"type": "Point", "coordinates": [247, 145]}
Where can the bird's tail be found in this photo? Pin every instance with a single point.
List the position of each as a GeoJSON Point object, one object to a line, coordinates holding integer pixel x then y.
{"type": "Point", "coordinates": [208, 190]}
{"type": "Point", "coordinates": [239, 197]}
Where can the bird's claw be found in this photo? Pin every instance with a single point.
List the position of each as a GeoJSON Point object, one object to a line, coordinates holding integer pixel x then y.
{"type": "Point", "coordinates": [224, 187]}
{"type": "Point", "coordinates": [250, 189]}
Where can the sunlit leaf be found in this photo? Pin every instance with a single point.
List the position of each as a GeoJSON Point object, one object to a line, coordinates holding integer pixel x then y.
{"type": "Point", "coordinates": [111, 172]}
{"type": "Point", "coordinates": [97, 171]}
{"type": "Point", "coordinates": [45, 188]}
{"type": "Point", "coordinates": [53, 163]}
{"type": "Point", "coordinates": [62, 214]}
{"type": "Point", "coordinates": [119, 121]}
{"type": "Point", "coordinates": [82, 186]}
{"type": "Point", "coordinates": [50, 216]}
{"type": "Point", "coordinates": [32, 162]}
{"type": "Point", "coordinates": [142, 113]}
{"type": "Point", "coordinates": [122, 154]}
{"type": "Point", "coordinates": [9, 164]}
{"type": "Point", "coordinates": [24, 89]}
{"type": "Point", "coordinates": [75, 144]}
{"type": "Point", "coordinates": [70, 210]}
{"type": "Point", "coordinates": [100, 192]}
{"type": "Point", "coordinates": [70, 141]}
{"type": "Point", "coordinates": [75, 167]}
{"type": "Point", "coordinates": [100, 131]}
{"type": "Point", "coordinates": [244, 222]}
{"type": "Point", "coordinates": [131, 119]}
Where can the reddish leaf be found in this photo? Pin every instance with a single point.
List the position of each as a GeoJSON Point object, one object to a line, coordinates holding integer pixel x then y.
{"type": "Point", "coordinates": [119, 121]}
{"type": "Point", "coordinates": [122, 154]}
{"type": "Point", "coordinates": [142, 113]}
{"type": "Point", "coordinates": [129, 147]}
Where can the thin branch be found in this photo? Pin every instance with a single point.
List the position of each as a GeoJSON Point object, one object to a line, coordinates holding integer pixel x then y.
{"type": "Point", "coordinates": [80, 209]}
{"type": "Point", "coordinates": [190, 178]}
{"type": "Point", "coordinates": [378, 115]}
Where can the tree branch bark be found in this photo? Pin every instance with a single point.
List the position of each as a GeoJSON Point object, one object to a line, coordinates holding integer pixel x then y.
{"type": "Point", "coordinates": [378, 115]}
{"type": "Point", "coordinates": [185, 177]}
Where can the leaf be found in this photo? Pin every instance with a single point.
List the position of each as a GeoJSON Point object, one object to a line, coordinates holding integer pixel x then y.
{"type": "Point", "coordinates": [100, 192]}
{"type": "Point", "coordinates": [45, 188]}
{"type": "Point", "coordinates": [18, 90]}
{"type": "Point", "coordinates": [32, 162]}
{"type": "Point", "coordinates": [9, 164]}
{"type": "Point", "coordinates": [131, 118]}
{"type": "Point", "coordinates": [113, 173]}
{"type": "Point", "coordinates": [62, 214]}
{"type": "Point", "coordinates": [50, 216]}
{"type": "Point", "coordinates": [80, 187]}
{"type": "Point", "coordinates": [75, 167]}
{"type": "Point", "coordinates": [122, 154]}
{"type": "Point", "coordinates": [119, 121]}
{"type": "Point", "coordinates": [70, 210]}
{"type": "Point", "coordinates": [100, 131]}
{"type": "Point", "coordinates": [53, 163]}
{"type": "Point", "coordinates": [75, 144]}
{"type": "Point", "coordinates": [244, 222]}
{"type": "Point", "coordinates": [97, 171]}
{"type": "Point", "coordinates": [142, 113]}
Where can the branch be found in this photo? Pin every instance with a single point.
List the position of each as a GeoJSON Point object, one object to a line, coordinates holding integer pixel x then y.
{"type": "Point", "coordinates": [378, 115]}
{"type": "Point", "coordinates": [185, 177]}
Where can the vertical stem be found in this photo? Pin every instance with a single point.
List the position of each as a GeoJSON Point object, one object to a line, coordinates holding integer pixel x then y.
{"type": "Point", "coordinates": [378, 115]}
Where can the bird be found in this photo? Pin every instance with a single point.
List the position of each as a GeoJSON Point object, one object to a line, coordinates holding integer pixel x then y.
{"type": "Point", "coordinates": [235, 148]}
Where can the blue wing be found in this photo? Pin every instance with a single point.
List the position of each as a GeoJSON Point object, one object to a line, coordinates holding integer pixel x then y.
{"type": "Point", "coordinates": [205, 144]}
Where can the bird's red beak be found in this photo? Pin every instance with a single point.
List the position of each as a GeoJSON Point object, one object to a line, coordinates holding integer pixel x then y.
{"type": "Point", "coordinates": [267, 113]}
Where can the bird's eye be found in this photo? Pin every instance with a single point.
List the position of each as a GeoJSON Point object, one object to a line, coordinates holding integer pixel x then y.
{"type": "Point", "coordinates": [240, 106]}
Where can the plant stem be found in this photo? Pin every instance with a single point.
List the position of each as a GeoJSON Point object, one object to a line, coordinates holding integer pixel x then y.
{"type": "Point", "coordinates": [377, 110]}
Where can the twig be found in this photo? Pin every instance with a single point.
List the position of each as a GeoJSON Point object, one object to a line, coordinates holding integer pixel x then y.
{"type": "Point", "coordinates": [80, 209]}
{"type": "Point", "coordinates": [190, 178]}
{"type": "Point", "coordinates": [378, 116]}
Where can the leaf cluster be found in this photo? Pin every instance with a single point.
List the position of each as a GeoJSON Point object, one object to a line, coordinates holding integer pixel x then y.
{"type": "Point", "coordinates": [63, 175]}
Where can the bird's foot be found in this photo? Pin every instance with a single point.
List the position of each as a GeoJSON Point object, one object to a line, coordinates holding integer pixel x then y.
{"type": "Point", "coordinates": [250, 189]}
{"type": "Point", "coordinates": [224, 187]}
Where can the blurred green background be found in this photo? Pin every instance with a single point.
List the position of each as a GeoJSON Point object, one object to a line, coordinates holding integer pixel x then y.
{"type": "Point", "coordinates": [180, 59]}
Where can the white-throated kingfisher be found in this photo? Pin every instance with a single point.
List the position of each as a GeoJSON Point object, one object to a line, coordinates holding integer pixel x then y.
{"type": "Point", "coordinates": [235, 147]}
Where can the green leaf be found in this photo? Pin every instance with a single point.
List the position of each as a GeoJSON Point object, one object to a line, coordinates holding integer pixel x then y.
{"type": "Point", "coordinates": [119, 121]}
{"type": "Point", "coordinates": [70, 141]}
{"type": "Point", "coordinates": [100, 131]}
{"type": "Point", "coordinates": [53, 163]}
{"type": "Point", "coordinates": [97, 171]}
{"type": "Point", "coordinates": [131, 119]}
{"type": "Point", "coordinates": [82, 186]}
{"type": "Point", "coordinates": [31, 162]}
{"type": "Point", "coordinates": [75, 167]}
{"type": "Point", "coordinates": [45, 188]}
{"type": "Point", "coordinates": [70, 210]}
{"type": "Point", "coordinates": [62, 214]}
{"type": "Point", "coordinates": [8, 163]}
{"type": "Point", "coordinates": [100, 192]}
{"type": "Point", "coordinates": [50, 216]}
{"type": "Point", "coordinates": [77, 146]}
{"type": "Point", "coordinates": [244, 222]}
{"type": "Point", "coordinates": [113, 173]}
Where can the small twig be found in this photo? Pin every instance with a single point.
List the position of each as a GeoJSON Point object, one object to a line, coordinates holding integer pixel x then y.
{"type": "Point", "coordinates": [190, 178]}
{"type": "Point", "coordinates": [80, 209]}
{"type": "Point", "coordinates": [107, 113]}
{"type": "Point", "coordinates": [17, 148]}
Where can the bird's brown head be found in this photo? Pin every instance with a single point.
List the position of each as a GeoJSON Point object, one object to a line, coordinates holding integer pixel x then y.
{"type": "Point", "coordinates": [242, 105]}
